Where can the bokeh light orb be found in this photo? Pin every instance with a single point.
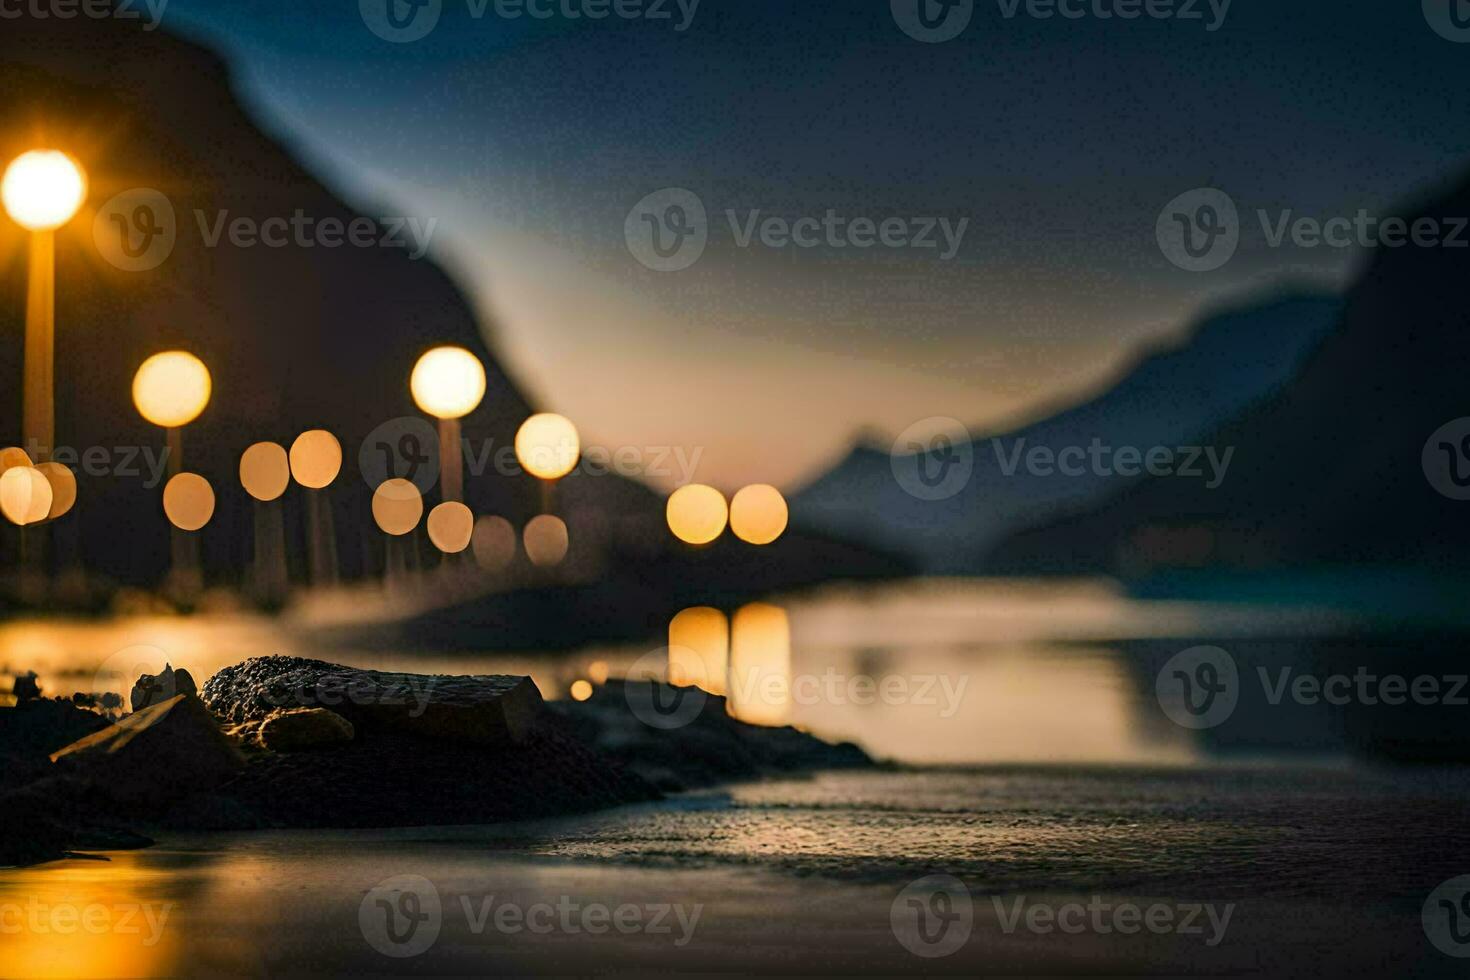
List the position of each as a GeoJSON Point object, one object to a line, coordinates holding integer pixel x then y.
{"type": "Point", "coordinates": [43, 189]}
{"type": "Point", "coordinates": [447, 382]}
{"type": "Point", "coordinates": [265, 470]}
{"type": "Point", "coordinates": [697, 514]}
{"type": "Point", "coordinates": [494, 543]}
{"type": "Point", "coordinates": [25, 495]}
{"type": "Point", "coordinates": [546, 540]}
{"type": "Point", "coordinates": [316, 458]}
{"type": "Point", "coordinates": [397, 506]}
{"type": "Point", "coordinates": [548, 446]}
{"type": "Point", "coordinates": [758, 514]}
{"type": "Point", "coordinates": [581, 690]}
{"type": "Point", "coordinates": [63, 488]}
{"type": "Point", "coordinates": [171, 388]}
{"type": "Point", "coordinates": [451, 525]}
{"type": "Point", "coordinates": [188, 500]}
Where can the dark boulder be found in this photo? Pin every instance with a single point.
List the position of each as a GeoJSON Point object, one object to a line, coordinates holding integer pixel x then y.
{"type": "Point", "coordinates": [299, 729]}
{"type": "Point", "coordinates": [477, 709]}
{"type": "Point", "coordinates": [167, 751]}
{"type": "Point", "coordinates": [150, 689]}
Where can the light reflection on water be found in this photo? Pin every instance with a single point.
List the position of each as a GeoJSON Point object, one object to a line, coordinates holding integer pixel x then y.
{"type": "Point", "coordinates": [931, 671]}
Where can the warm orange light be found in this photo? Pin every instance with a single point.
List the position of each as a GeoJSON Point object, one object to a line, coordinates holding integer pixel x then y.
{"type": "Point", "coordinates": [450, 526]}
{"type": "Point", "coordinates": [448, 382]}
{"type": "Point", "coordinates": [697, 514]}
{"type": "Point", "coordinates": [63, 488]}
{"type": "Point", "coordinates": [42, 189]}
{"type": "Point", "coordinates": [316, 458]}
{"type": "Point", "coordinates": [699, 649]}
{"type": "Point", "coordinates": [760, 664]}
{"type": "Point", "coordinates": [188, 500]}
{"type": "Point", "coordinates": [494, 543]}
{"type": "Point", "coordinates": [265, 471]}
{"type": "Point", "coordinates": [171, 388]}
{"type": "Point", "coordinates": [758, 514]}
{"type": "Point", "coordinates": [548, 446]}
{"type": "Point", "coordinates": [581, 690]}
{"type": "Point", "coordinates": [25, 495]}
{"type": "Point", "coordinates": [397, 507]}
{"type": "Point", "coordinates": [13, 456]}
{"type": "Point", "coordinates": [546, 540]}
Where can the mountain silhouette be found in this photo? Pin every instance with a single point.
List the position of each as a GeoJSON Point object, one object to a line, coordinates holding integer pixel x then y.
{"type": "Point", "coordinates": [1171, 398]}
{"type": "Point", "coordinates": [1328, 471]}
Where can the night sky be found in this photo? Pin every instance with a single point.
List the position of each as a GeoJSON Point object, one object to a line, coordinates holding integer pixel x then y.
{"type": "Point", "coordinates": [1058, 139]}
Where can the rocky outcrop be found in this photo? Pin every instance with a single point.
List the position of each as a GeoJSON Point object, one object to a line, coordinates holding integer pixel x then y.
{"type": "Point", "coordinates": [681, 738]}
{"type": "Point", "coordinates": [300, 729]}
{"type": "Point", "coordinates": [150, 689]}
{"type": "Point", "coordinates": [167, 751]}
{"type": "Point", "coordinates": [478, 709]}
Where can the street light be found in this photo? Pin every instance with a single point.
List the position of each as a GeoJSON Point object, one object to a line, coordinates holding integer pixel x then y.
{"type": "Point", "coordinates": [42, 190]}
{"type": "Point", "coordinates": [448, 383]}
{"type": "Point", "coordinates": [170, 390]}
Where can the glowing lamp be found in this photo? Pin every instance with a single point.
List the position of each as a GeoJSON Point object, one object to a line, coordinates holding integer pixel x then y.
{"type": "Point", "coordinates": [697, 514]}
{"type": "Point", "coordinates": [397, 507]}
{"type": "Point", "coordinates": [265, 471]}
{"type": "Point", "coordinates": [316, 458]}
{"type": "Point", "coordinates": [448, 382]}
{"type": "Point", "coordinates": [546, 540]}
{"type": "Point", "coordinates": [25, 495]}
{"type": "Point", "coordinates": [63, 488]}
{"type": "Point", "coordinates": [548, 446]}
{"type": "Point", "coordinates": [188, 500]}
{"type": "Point", "coordinates": [450, 526]}
{"type": "Point", "coordinates": [172, 388]}
{"type": "Point", "coordinates": [758, 514]}
{"type": "Point", "coordinates": [43, 189]}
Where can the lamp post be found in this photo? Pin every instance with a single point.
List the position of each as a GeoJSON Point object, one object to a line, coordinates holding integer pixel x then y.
{"type": "Point", "coordinates": [170, 390]}
{"type": "Point", "coordinates": [448, 383]}
{"type": "Point", "coordinates": [548, 447]}
{"type": "Point", "coordinates": [42, 190]}
{"type": "Point", "coordinates": [316, 459]}
{"type": "Point", "coordinates": [265, 472]}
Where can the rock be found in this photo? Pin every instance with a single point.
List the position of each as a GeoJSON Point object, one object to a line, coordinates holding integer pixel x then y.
{"type": "Point", "coordinates": [151, 689]}
{"type": "Point", "coordinates": [166, 751]}
{"type": "Point", "coordinates": [26, 688]}
{"type": "Point", "coordinates": [303, 728]}
{"type": "Point", "coordinates": [32, 730]}
{"type": "Point", "coordinates": [475, 709]}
